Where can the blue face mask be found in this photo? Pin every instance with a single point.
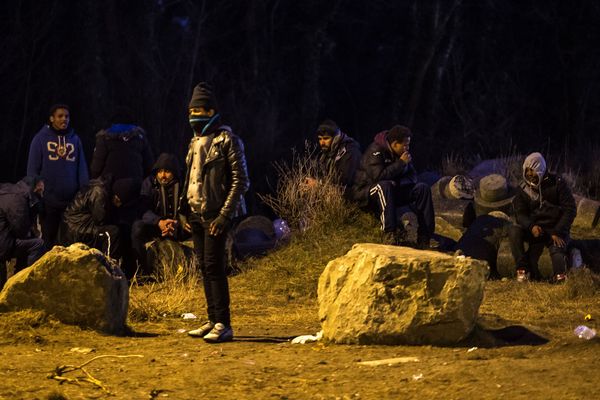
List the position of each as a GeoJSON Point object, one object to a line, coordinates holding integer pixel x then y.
{"type": "Point", "coordinates": [201, 124]}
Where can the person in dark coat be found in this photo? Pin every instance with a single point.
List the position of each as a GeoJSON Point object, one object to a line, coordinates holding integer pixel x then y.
{"type": "Point", "coordinates": [386, 180]}
{"type": "Point", "coordinates": [217, 178]}
{"type": "Point", "coordinates": [19, 205]}
{"type": "Point", "coordinates": [122, 150]}
{"type": "Point", "coordinates": [482, 239]}
{"type": "Point", "coordinates": [56, 154]}
{"type": "Point", "coordinates": [160, 195]}
{"type": "Point", "coordinates": [339, 157]}
{"type": "Point", "coordinates": [91, 217]}
{"type": "Point", "coordinates": [545, 209]}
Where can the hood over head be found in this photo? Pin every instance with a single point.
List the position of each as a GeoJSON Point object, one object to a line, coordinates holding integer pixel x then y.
{"type": "Point", "coordinates": [169, 162]}
{"type": "Point", "coordinates": [537, 163]}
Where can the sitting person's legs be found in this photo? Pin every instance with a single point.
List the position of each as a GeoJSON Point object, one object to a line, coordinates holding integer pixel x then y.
{"type": "Point", "coordinates": [141, 233]}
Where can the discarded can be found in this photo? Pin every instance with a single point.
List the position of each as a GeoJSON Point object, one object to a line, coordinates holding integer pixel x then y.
{"type": "Point", "coordinates": [584, 332]}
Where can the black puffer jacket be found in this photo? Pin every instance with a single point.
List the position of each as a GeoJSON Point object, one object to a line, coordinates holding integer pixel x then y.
{"type": "Point", "coordinates": [378, 164]}
{"type": "Point", "coordinates": [16, 215]}
{"type": "Point", "coordinates": [342, 160]}
{"type": "Point", "coordinates": [224, 177]}
{"type": "Point", "coordinates": [122, 151]}
{"type": "Point", "coordinates": [88, 211]}
{"type": "Point", "coordinates": [554, 211]}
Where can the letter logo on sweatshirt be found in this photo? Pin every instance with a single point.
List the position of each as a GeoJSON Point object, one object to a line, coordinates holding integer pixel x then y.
{"type": "Point", "coordinates": [61, 150]}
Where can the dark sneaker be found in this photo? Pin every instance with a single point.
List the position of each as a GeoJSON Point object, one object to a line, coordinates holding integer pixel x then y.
{"type": "Point", "coordinates": [522, 275]}
{"type": "Point", "coordinates": [203, 330]}
{"type": "Point", "coordinates": [220, 333]}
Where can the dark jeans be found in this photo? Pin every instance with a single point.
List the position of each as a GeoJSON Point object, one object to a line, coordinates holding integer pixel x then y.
{"type": "Point", "coordinates": [528, 260]}
{"type": "Point", "coordinates": [50, 223]}
{"type": "Point", "coordinates": [387, 197]}
{"type": "Point", "coordinates": [141, 233]}
{"type": "Point", "coordinates": [26, 251]}
{"type": "Point", "coordinates": [210, 259]}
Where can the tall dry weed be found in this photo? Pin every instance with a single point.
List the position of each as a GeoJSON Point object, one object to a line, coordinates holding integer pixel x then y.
{"type": "Point", "coordinates": [308, 206]}
{"type": "Point", "coordinates": [172, 291]}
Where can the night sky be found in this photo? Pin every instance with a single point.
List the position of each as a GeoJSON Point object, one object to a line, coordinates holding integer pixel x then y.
{"type": "Point", "coordinates": [475, 78]}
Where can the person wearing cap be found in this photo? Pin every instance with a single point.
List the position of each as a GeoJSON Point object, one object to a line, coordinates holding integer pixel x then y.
{"type": "Point", "coordinates": [160, 195]}
{"type": "Point", "coordinates": [56, 154]}
{"type": "Point", "coordinates": [91, 217]}
{"type": "Point", "coordinates": [386, 180]}
{"type": "Point", "coordinates": [482, 239]}
{"type": "Point", "coordinates": [19, 206]}
{"type": "Point", "coordinates": [545, 209]}
{"type": "Point", "coordinates": [122, 150]}
{"type": "Point", "coordinates": [339, 156]}
{"type": "Point", "coordinates": [213, 195]}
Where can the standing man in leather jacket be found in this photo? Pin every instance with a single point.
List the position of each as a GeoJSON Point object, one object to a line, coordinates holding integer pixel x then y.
{"type": "Point", "coordinates": [217, 178]}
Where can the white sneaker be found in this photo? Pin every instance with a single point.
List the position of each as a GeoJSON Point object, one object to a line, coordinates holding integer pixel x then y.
{"type": "Point", "coordinates": [203, 330]}
{"type": "Point", "coordinates": [220, 333]}
{"type": "Point", "coordinates": [522, 275]}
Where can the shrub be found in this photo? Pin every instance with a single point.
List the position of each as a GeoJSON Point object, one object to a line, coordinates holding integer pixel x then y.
{"type": "Point", "coordinates": [306, 206]}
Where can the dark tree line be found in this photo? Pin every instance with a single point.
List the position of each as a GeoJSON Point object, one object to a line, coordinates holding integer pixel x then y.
{"type": "Point", "coordinates": [471, 77]}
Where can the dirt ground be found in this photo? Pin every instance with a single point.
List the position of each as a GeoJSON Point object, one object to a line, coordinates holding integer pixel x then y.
{"type": "Point", "coordinates": [262, 363]}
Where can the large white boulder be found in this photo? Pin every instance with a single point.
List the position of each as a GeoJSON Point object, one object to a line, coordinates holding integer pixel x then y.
{"type": "Point", "coordinates": [378, 294]}
{"type": "Point", "coordinates": [76, 284]}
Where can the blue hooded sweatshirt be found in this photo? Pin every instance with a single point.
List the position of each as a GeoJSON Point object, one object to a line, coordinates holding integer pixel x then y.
{"type": "Point", "coordinates": [59, 159]}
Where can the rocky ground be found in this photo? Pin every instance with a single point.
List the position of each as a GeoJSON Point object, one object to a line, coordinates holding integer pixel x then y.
{"type": "Point", "coordinates": [159, 360]}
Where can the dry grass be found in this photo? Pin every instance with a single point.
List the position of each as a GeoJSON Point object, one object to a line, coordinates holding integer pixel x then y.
{"type": "Point", "coordinates": [549, 307]}
{"type": "Point", "coordinates": [294, 270]}
{"type": "Point", "coordinates": [173, 291]}
{"type": "Point", "coordinates": [304, 206]}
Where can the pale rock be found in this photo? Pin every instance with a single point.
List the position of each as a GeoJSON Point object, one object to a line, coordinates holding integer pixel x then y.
{"type": "Point", "coordinates": [77, 285]}
{"type": "Point", "coordinates": [378, 294]}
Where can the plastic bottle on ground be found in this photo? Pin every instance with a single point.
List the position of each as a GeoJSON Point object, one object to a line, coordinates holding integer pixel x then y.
{"type": "Point", "coordinates": [584, 332]}
{"type": "Point", "coordinates": [576, 259]}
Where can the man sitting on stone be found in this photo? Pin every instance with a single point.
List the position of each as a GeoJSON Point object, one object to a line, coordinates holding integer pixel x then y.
{"type": "Point", "coordinates": [339, 157]}
{"type": "Point", "coordinates": [19, 206]}
{"type": "Point", "coordinates": [91, 217]}
{"type": "Point", "coordinates": [544, 209]}
{"type": "Point", "coordinates": [160, 195]}
{"type": "Point", "coordinates": [387, 180]}
{"type": "Point", "coordinates": [490, 221]}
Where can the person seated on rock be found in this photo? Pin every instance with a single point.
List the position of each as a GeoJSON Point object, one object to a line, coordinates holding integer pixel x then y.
{"type": "Point", "coordinates": [160, 196]}
{"type": "Point", "coordinates": [339, 157]}
{"type": "Point", "coordinates": [544, 209]}
{"type": "Point", "coordinates": [482, 239]}
{"type": "Point", "coordinates": [386, 180]}
{"type": "Point", "coordinates": [91, 217]}
{"type": "Point", "coordinates": [493, 193]}
{"type": "Point", "coordinates": [19, 207]}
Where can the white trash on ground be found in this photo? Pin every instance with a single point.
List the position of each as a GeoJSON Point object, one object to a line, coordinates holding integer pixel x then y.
{"type": "Point", "coordinates": [303, 339]}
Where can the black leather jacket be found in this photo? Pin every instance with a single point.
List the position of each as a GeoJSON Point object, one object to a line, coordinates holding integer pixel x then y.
{"type": "Point", "coordinates": [88, 210]}
{"type": "Point", "coordinates": [224, 176]}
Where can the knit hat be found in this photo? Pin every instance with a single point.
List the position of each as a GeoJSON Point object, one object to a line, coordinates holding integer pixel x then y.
{"type": "Point", "coordinates": [328, 128]}
{"type": "Point", "coordinates": [203, 96]}
{"type": "Point", "coordinates": [127, 189]}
